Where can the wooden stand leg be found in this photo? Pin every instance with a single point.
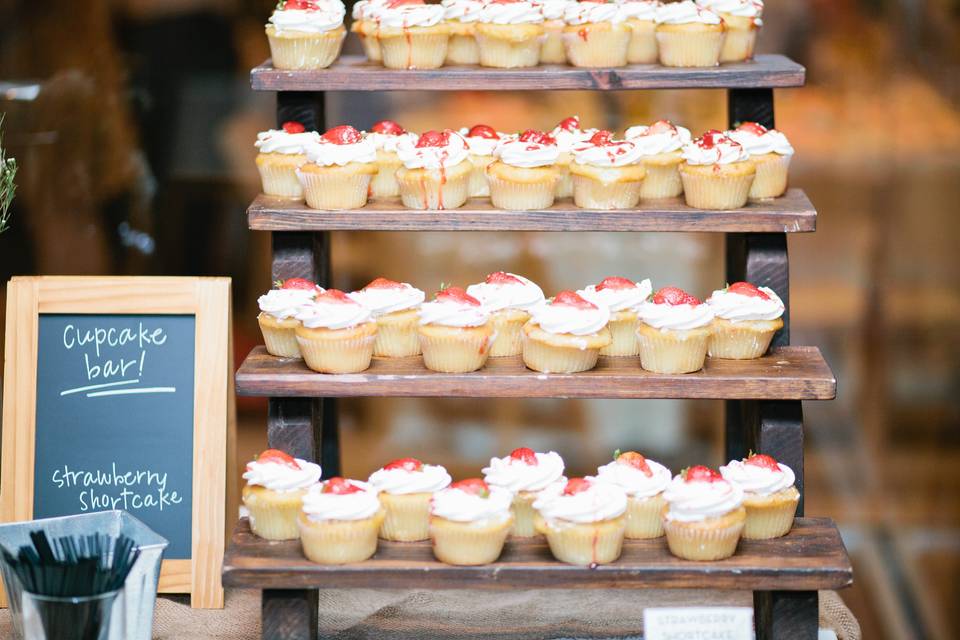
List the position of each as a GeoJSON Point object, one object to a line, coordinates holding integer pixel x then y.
{"type": "Point", "coordinates": [750, 105]}
{"type": "Point", "coordinates": [290, 614]}
{"type": "Point", "coordinates": [786, 615]}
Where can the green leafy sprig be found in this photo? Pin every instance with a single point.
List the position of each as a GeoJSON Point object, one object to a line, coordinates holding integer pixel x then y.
{"type": "Point", "coordinates": [8, 171]}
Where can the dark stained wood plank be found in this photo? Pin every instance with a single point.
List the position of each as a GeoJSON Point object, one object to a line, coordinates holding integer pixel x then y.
{"type": "Point", "coordinates": [354, 73]}
{"type": "Point", "coordinates": [811, 557]}
{"type": "Point", "coordinates": [793, 373]}
{"type": "Point", "coordinates": [789, 214]}
{"type": "Point", "coordinates": [290, 614]}
{"type": "Point", "coordinates": [786, 615]}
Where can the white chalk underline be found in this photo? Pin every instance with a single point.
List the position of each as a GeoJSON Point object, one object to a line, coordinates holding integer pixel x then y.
{"type": "Point", "coordinates": [117, 392]}
{"type": "Point", "coordinates": [104, 385]}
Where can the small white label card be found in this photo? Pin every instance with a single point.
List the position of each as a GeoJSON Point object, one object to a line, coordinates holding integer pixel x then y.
{"type": "Point", "coordinates": [698, 623]}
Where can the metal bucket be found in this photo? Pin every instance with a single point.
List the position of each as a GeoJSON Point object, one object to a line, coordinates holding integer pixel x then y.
{"type": "Point", "coordinates": [132, 615]}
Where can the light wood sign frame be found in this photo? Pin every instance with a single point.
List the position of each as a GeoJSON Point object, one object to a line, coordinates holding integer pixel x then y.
{"type": "Point", "coordinates": [208, 300]}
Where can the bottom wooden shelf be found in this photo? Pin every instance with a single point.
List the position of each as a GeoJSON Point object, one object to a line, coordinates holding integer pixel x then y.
{"type": "Point", "coordinates": [810, 558]}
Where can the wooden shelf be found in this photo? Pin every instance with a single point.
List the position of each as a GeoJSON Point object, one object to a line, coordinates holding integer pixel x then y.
{"type": "Point", "coordinates": [810, 557]}
{"type": "Point", "coordinates": [354, 73]}
{"type": "Point", "coordinates": [788, 373]}
{"type": "Point", "coordinates": [791, 213]}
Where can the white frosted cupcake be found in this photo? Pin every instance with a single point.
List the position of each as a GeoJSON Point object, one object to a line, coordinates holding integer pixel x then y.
{"type": "Point", "coordinates": [412, 35]}
{"type": "Point", "coordinates": [436, 170]}
{"type": "Point", "coordinates": [405, 487]}
{"type": "Point", "coordinates": [704, 516]}
{"type": "Point", "coordinates": [565, 334]}
{"type": "Point", "coordinates": [508, 298]}
{"type": "Point", "coordinates": [509, 34]}
{"type": "Point", "coordinates": [469, 522]}
{"type": "Point", "coordinates": [394, 306]}
{"type": "Point", "coordinates": [640, 18]}
{"type": "Point", "coordinates": [674, 330]}
{"type": "Point", "coordinates": [568, 136]}
{"type": "Point", "coordinates": [770, 152]}
{"type": "Point", "coordinates": [281, 152]}
{"type": "Point", "coordinates": [366, 25]}
{"type": "Point", "coordinates": [688, 35]}
{"type": "Point", "coordinates": [278, 315]}
{"type": "Point", "coordinates": [583, 519]}
{"type": "Point", "coordinates": [607, 173]}
{"type": "Point", "coordinates": [524, 473]}
{"type": "Point", "coordinates": [643, 481]}
{"type": "Point", "coordinates": [340, 521]}
{"type": "Point", "coordinates": [276, 484]}
{"type": "Point", "coordinates": [622, 297]}
{"type": "Point", "coordinates": [482, 142]}
{"type": "Point", "coordinates": [455, 332]}
{"type": "Point", "coordinates": [769, 495]}
{"type": "Point", "coordinates": [596, 34]}
{"type": "Point", "coordinates": [385, 136]}
{"type": "Point", "coordinates": [552, 51]}
{"type": "Point", "coordinates": [461, 17]}
{"type": "Point", "coordinates": [660, 147]}
{"type": "Point", "coordinates": [339, 169]}
{"type": "Point", "coordinates": [745, 319]}
{"type": "Point", "coordinates": [742, 21]}
{"type": "Point", "coordinates": [717, 172]}
{"type": "Point", "coordinates": [336, 333]}
{"type": "Point", "coordinates": [306, 34]}
{"type": "Point", "coordinates": [523, 177]}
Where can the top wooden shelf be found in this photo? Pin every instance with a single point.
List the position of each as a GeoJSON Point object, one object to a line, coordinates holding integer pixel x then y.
{"type": "Point", "coordinates": [355, 73]}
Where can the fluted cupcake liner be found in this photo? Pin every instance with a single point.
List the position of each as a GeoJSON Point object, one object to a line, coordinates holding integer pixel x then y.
{"type": "Point", "coordinates": [433, 189]}
{"type": "Point", "coordinates": [463, 49]}
{"type": "Point", "coordinates": [597, 44]}
{"type": "Point", "coordinates": [521, 196]}
{"type": "Point", "coordinates": [305, 50]}
{"type": "Point", "coordinates": [552, 50]}
{"type": "Point", "coordinates": [506, 52]}
{"type": "Point", "coordinates": [741, 340]}
{"type": "Point", "coordinates": [770, 516]}
{"type": "Point", "coordinates": [771, 178]}
{"type": "Point", "coordinates": [547, 358]}
{"type": "Point", "coordinates": [739, 40]}
{"type": "Point", "coordinates": [524, 515]}
{"type": "Point", "coordinates": [623, 329]}
{"type": "Point", "coordinates": [273, 514]}
{"type": "Point", "coordinates": [468, 543]}
{"type": "Point", "coordinates": [662, 181]}
{"type": "Point", "coordinates": [338, 351]}
{"type": "Point", "coordinates": [384, 183]}
{"type": "Point", "coordinates": [672, 351]}
{"type": "Point", "coordinates": [397, 335]}
{"type": "Point", "coordinates": [643, 42]}
{"type": "Point", "coordinates": [586, 543]}
{"type": "Point", "coordinates": [508, 332]}
{"type": "Point", "coordinates": [339, 541]}
{"type": "Point", "coordinates": [407, 517]}
{"type": "Point", "coordinates": [279, 336]}
{"type": "Point", "coordinates": [278, 176]}
{"type": "Point", "coordinates": [689, 46]}
{"type": "Point", "coordinates": [590, 193]}
{"type": "Point", "coordinates": [414, 50]}
{"type": "Point", "coordinates": [335, 189]}
{"type": "Point", "coordinates": [645, 517]}
{"type": "Point", "coordinates": [564, 188]}
{"type": "Point", "coordinates": [703, 190]}
{"type": "Point", "coordinates": [710, 539]}
{"type": "Point", "coordinates": [371, 46]}
{"type": "Point", "coordinates": [455, 349]}
{"type": "Point", "coordinates": [477, 186]}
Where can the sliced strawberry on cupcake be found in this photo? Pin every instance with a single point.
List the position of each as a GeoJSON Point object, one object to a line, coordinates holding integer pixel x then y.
{"type": "Point", "coordinates": [524, 473]}
{"type": "Point", "coordinates": [771, 152]}
{"type": "Point", "coordinates": [435, 172]}
{"type": "Point", "coordinates": [276, 484]}
{"type": "Point", "coordinates": [340, 168]}
{"type": "Point", "coordinates": [674, 330]}
{"type": "Point", "coordinates": [644, 482]}
{"type": "Point", "coordinates": [524, 175]}
{"type": "Point", "coordinates": [394, 306]}
{"type": "Point", "coordinates": [406, 486]}
{"type": "Point", "coordinates": [717, 172]}
{"type": "Point", "coordinates": [622, 297]}
{"type": "Point", "coordinates": [340, 522]}
{"type": "Point", "coordinates": [469, 522]}
{"type": "Point", "coordinates": [280, 153]}
{"type": "Point", "coordinates": [746, 317]}
{"type": "Point", "coordinates": [306, 34]}
{"type": "Point", "coordinates": [336, 333]}
{"type": "Point", "coordinates": [770, 494]}
{"type": "Point", "coordinates": [482, 142]}
{"type": "Point", "coordinates": [565, 334]}
{"type": "Point", "coordinates": [509, 298]}
{"type": "Point", "coordinates": [455, 332]}
{"type": "Point", "coordinates": [278, 314]}
{"type": "Point", "coordinates": [386, 136]}
{"type": "Point", "coordinates": [705, 516]}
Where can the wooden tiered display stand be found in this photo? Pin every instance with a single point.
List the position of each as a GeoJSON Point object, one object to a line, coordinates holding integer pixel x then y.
{"type": "Point", "coordinates": [762, 397]}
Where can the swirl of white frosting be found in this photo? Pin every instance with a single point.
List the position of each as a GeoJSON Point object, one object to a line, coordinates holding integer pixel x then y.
{"type": "Point", "coordinates": [684, 12]}
{"type": "Point", "coordinates": [383, 301]}
{"type": "Point", "coordinates": [591, 11]}
{"type": "Point", "coordinates": [739, 8]}
{"type": "Point", "coordinates": [614, 154]}
{"type": "Point", "coordinates": [508, 295]}
{"type": "Point", "coordinates": [553, 9]}
{"type": "Point", "coordinates": [516, 475]}
{"type": "Point", "coordinates": [279, 141]}
{"type": "Point", "coordinates": [320, 507]}
{"type": "Point", "coordinates": [410, 15]}
{"type": "Point", "coordinates": [449, 313]}
{"type": "Point", "coordinates": [462, 10]}
{"type": "Point", "coordinates": [326, 154]}
{"type": "Point", "coordinates": [651, 144]}
{"type": "Point", "coordinates": [759, 480]}
{"type": "Point", "coordinates": [772, 141]}
{"type": "Point", "coordinates": [449, 155]}
{"type": "Point", "coordinates": [567, 141]}
{"type": "Point", "coordinates": [277, 476]}
{"type": "Point", "coordinates": [284, 303]}
{"type": "Point", "coordinates": [736, 307]}
{"type": "Point", "coordinates": [462, 506]}
{"type": "Point", "coordinates": [618, 299]}
{"type": "Point", "coordinates": [327, 17]}
{"type": "Point", "coordinates": [699, 500]}
{"type": "Point", "coordinates": [563, 318]}
{"type": "Point", "coordinates": [634, 481]}
{"type": "Point", "coordinates": [723, 152]}
{"type": "Point", "coordinates": [387, 142]}
{"type": "Point", "coordinates": [517, 153]}
{"type": "Point", "coordinates": [601, 501]}
{"type": "Point", "coordinates": [430, 479]}
{"type": "Point", "coordinates": [480, 146]}
{"type": "Point", "coordinates": [368, 9]}
{"type": "Point", "coordinates": [511, 13]}
{"type": "Point", "coordinates": [332, 315]}
{"type": "Point", "coordinates": [675, 317]}
{"type": "Point", "coordinates": [639, 9]}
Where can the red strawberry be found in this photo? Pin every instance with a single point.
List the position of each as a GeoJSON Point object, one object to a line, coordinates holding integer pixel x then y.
{"type": "Point", "coordinates": [343, 134]}
{"type": "Point", "coordinates": [701, 473]}
{"type": "Point", "coordinates": [615, 283]}
{"type": "Point", "coordinates": [278, 457]}
{"type": "Point", "coordinates": [539, 137]}
{"type": "Point", "coordinates": [407, 464]}
{"type": "Point", "coordinates": [434, 139]}
{"type": "Point", "coordinates": [383, 283]}
{"type": "Point", "coordinates": [635, 460]}
{"type": "Point", "coordinates": [334, 296]}
{"type": "Point", "coordinates": [502, 277]}
{"type": "Point", "coordinates": [482, 131]}
{"type": "Point", "coordinates": [298, 283]}
{"type": "Point", "coordinates": [525, 455]}
{"type": "Point", "coordinates": [747, 289]}
{"type": "Point", "coordinates": [601, 138]}
{"type": "Point", "coordinates": [388, 127]}
{"type": "Point", "coordinates": [763, 461]}
{"type": "Point", "coordinates": [572, 299]}
{"type": "Point", "coordinates": [755, 128]}
{"type": "Point", "coordinates": [569, 124]}
{"type": "Point", "coordinates": [711, 138]}
{"type": "Point", "coordinates": [300, 5]}
{"type": "Point", "coordinates": [575, 486]}
{"type": "Point", "coordinates": [399, 3]}
{"type": "Point", "coordinates": [473, 486]}
{"type": "Point", "coordinates": [660, 126]}
{"type": "Point", "coordinates": [457, 294]}
{"type": "Point", "coordinates": [674, 296]}
{"type": "Point", "coordinates": [340, 486]}
{"type": "Point", "coordinates": [293, 127]}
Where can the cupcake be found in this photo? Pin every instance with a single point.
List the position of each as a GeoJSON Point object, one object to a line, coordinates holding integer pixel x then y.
{"type": "Point", "coordinates": [278, 315]}
{"type": "Point", "coordinates": [405, 487]}
{"type": "Point", "coordinates": [482, 141]}
{"type": "Point", "coordinates": [688, 36]}
{"type": "Point", "coordinates": [436, 170]}
{"type": "Point", "coordinates": [704, 516]}
{"type": "Point", "coordinates": [455, 332]}
{"type": "Point", "coordinates": [524, 473]}
{"type": "Point", "coordinates": [281, 152]}
{"type": "Point", "coordinates": [674, 331]}
{"type": "Point", "coordinates": [523, 176]}
{"type": "Point", "coordinates": [385, 136]}
{"type": "Point", "coordinates": [643, 481]}
{"type": "Point", "coordinates": [366, 25]}
{"type": "Point", "coordinates": [583, 519]}
{"type": "Point", "coordinates": [394, 306]}
{"type": "Point", "coordinates": [276, 484]}
{"type": "Point", "coordinates": [717, 172]}
{"type": "Point", "coordinates": [306, 34]}
{"type": "Point", "coordinates": [769, 495]}
{"type": "Point", "coordinates": [508, 298]}
{"type": "Point", "coordinates": [770, 152]}
{"type": "Point", "coordinates": [412, 35]}
{"type": "Point", "coordinates": [565, 334]}
{"type": "Point", "coordinates": [509, 34]}
{"type": "Point", "coordinates": [622, 297]}
{"type": "Point", "coordinates": [461, 17]}
{"type": "Point", "coordinates": [340, 521]}
{"type": "Point", "coordinates": [336, 333]}
{"type": "Point", "coordinates": [742, 21]}
{"type": "Point", "coordinates": [552, 50]}
{"type": "Point", "coordinates": [340, 168]}
{"type": "Point", "coordinates": [569, 136]}
{"type": "Point", "coordinates": [607, 173]}
{"type": "Point", "coordinates": [469, 522]}
{"type": "Point", "coordinates": [660, 147]}
{"type": "Point", "coordinates": [745, 319]}
{"type": "Point", "coordinates": [639, 16]}
{"type": "Point", "coordinates": [595, 34]}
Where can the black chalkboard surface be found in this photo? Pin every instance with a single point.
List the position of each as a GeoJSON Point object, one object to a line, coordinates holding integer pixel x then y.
{"type": "Point", "coordinates": [114, 420]}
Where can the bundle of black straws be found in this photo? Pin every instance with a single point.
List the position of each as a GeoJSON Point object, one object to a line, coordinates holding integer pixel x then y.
{"type": "Point", "coordinates": [66, 576]}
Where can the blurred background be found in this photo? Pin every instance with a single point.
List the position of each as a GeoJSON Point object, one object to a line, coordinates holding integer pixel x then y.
{"type": "Point", "coordinates": [133, 124]}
